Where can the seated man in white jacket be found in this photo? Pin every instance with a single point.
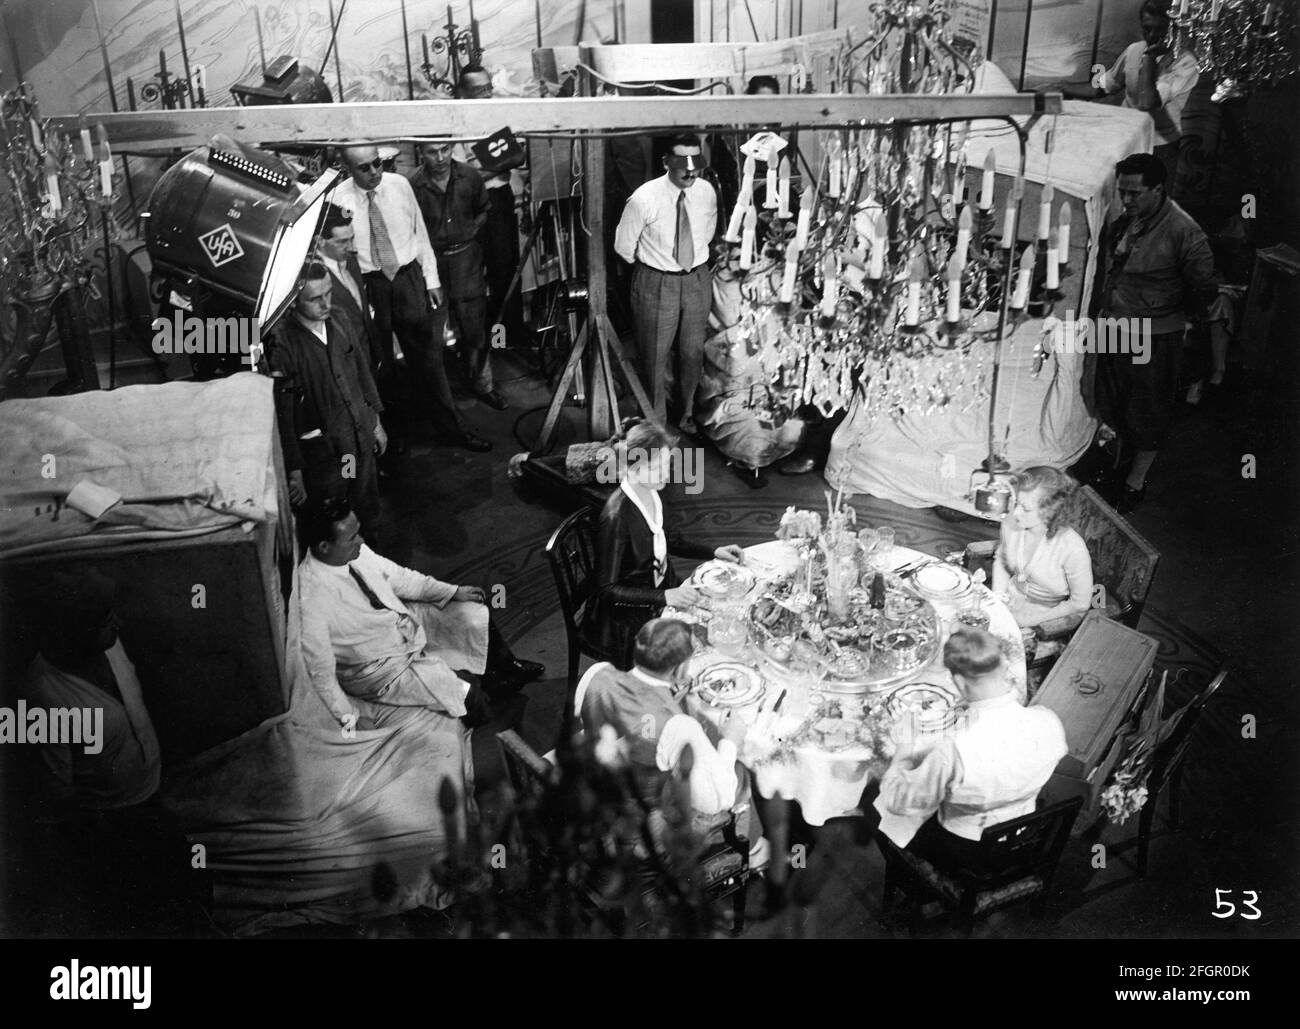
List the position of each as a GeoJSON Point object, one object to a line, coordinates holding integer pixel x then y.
{"type": "Point", "coordinates": [654, 730]}
{"type": "Point", "coordinates": [937, 800]}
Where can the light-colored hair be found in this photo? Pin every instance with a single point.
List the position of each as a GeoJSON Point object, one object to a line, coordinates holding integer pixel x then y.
{"type": "Point", "coordinates": [973, 653]}
{"type": "Point", "coordinates": [662, 644]}
{"type": "Point", "coordinates": [1056, 489]}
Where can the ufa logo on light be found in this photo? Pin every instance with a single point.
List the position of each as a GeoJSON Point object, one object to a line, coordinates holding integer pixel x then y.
{"type": "Point", "coordinates": [220, 245]}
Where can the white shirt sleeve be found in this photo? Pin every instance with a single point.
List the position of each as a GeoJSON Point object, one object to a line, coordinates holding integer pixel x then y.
{"type": "Point", "coordinates": [630, 227]}
{"type": "Point", "coordinates": [409, 584]}
{"type": "Point", "coordinates": [318, 655]}
{"type": "Point", "coordinates": [423, 248]}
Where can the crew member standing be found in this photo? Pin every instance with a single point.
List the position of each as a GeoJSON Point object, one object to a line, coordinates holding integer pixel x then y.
{"type": "Point", "coordinates": [499, 235]}
{"type": "Point", "coordinates": [454, 204]}
{"type": "Point", "coordinates": [665, 231]}
{"type": "Point", "coordinates": [401, 276]}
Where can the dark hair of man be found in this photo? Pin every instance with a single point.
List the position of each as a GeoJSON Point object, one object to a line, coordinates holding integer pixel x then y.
{"type": "Point", "coordinates": [762, 82]}
{"type": "Point", "coordinates": [662, 644]}
{"type": "Point", "coordinates": [320, 522]}
{"type": "Point", "coordinates": [684, 139]}
{"type": "Point", "coordinates": [972, 653]}
{"type": "Point", "coordinates": [1149, 166]}
{"type": "Point", "coordinates": [335, 217]}
{"type": "Point", "coordinates": [313, 271]}
{"type": "Point", "coordinates": [1155, 8]}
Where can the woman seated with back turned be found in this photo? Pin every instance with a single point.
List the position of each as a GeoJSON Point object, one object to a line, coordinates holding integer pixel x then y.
{"type": "Point", "coordinates": [634, 574]}
{"type": "Point", "coordinates": [1042, 565]}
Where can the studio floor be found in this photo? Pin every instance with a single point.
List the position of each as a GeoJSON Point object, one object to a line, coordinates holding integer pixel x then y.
{"type": "Point", "coordinates": [1224, 594]}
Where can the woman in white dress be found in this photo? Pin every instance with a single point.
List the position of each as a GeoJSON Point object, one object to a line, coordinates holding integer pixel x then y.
{"type": "Point", "coordinates": [1042, 565]}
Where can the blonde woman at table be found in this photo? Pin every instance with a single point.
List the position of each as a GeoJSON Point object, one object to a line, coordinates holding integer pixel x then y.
{"type": "Point", "coordinates": [1042, 567]}
{"type": "Point", "coordinates": [635, 578]}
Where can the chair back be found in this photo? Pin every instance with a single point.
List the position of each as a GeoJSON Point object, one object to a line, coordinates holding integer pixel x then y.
{"type": "Point", "coordinates": [571, 552]}
{"type": "Point", "coordinates": [530, 773]}
{"type": "Point", "coordinates": [1122, 560]}
{"type": "Point", "coordinates": [1027, 846]}
{"type": "Point", "coordinates": [1172, 751]}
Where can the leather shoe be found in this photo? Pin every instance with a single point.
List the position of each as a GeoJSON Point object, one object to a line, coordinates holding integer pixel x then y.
{"type": "Point", "coordinates": [796, 466]}
{"type": "Point", "coordinates": [494, 399]}
{"type": "Point", "coordinates": [468, 441]}
{"type": "Point", "coordinates": [1129, 498]}
{"type": "Point", "coordinates": [751, 477]}
{"type": "Point", "coordinates": [524, 671]}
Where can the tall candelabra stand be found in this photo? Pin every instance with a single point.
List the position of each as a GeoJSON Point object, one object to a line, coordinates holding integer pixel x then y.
{"type": "Point", "coordinates": [454, 49]}
{"type": "Point", "coordinates": [60, 194]}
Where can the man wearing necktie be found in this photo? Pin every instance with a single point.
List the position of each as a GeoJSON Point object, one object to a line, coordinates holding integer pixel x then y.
{"type": "Point", "coordinates": [376, 635]}
{"type": "Point", "coordinates": [401, 278]}
{"type": "Point", "coordinates": [337, 250]}
{"type": "Point", "coordinates": [665, 232]}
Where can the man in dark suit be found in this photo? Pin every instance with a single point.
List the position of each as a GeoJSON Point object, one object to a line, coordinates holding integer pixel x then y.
{"type": "Point", "coordinates": [326, 404]}
{"type": "Point", "coordinates": [337, 251]}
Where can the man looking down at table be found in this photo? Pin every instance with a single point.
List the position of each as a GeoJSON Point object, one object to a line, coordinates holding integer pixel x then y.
{"type": "Point", "coordinates": [937, 800]}
{"type": "Point", "coordinates": [654, 729]}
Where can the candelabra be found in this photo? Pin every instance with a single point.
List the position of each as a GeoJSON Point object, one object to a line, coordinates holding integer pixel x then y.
{"type": "Point", "coordinates": [456, 49]}
{"type": "Point", "coordinates": [1242, 43]}
{"type": "Point", "coordinates": [59, 194]}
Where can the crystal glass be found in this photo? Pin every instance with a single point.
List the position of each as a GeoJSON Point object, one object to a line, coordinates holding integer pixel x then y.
{"type": "Point", "coordinates": [729, 631]}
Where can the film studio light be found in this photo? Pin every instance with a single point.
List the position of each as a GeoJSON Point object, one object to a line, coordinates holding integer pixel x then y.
{"type": "Point", "coordinates": [231, 222]}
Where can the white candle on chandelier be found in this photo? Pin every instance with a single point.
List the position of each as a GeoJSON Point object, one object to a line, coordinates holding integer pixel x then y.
{"type": "Point", "coordinates": [833, 150]}
{"type": "Point", "coordinates": [986, 183]}
{"type": "Point", "coordinates": [1045, 212]}
{"type": "Point", "coordinates": [954, 289]}
{"type": "Point", "coordinates": [83, 130]}
{"type": "Point", "coordinates": [732, 235]}
{"type": "Point", "coordinates": [879, 244]}
{"type": "Point", "coordinates": [830, 286]}
{"type": "Point", "coordinates": [964, 225]}
{"type": "Point", "coordinates": [791, 269]}
{"type": "Point", "coordinates": [52, 183]}
{"type": "Point", "coordinates": [747, 240]}
{"type": "Point", "coordinates": [105, 160]}
{"type": "Point", "coordinates": [912, 316]}
{"type": "Point", "coordinates": [805, 218]}
{"type": "Point", "coordinates": [1053, 260]}
{"type": "Point", "coordinates": [783, 190]}
{"type": "Point", "coordinates": [1009, 224]}
{"type": "Point", "coordinates": [1063, 232]}
{"type": "Point", "coordinates": [37, 141]}
{"type": "Point", "coordinates": [1020, 295]}
{"type": "Point", "coordinates": [1269, 12]}
{"type": "Point", "coordinates": [1214, 10]}
{"type": "Point", "coordinates": [770, 199]}
{"type": "Point", "coordinates": [1182, 8]}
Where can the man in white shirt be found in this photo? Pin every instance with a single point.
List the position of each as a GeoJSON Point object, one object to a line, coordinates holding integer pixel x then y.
{"type": "Point", "coordinates": [1153, 79]}
{"type": "Point", "coordinates": [665, 231]}
{"type": "Point", "coordinates": [401, 276]}
{"type": "Point", "coordinates": [387, 636]}
{"type": "Point", "coordinates": [987, 771]}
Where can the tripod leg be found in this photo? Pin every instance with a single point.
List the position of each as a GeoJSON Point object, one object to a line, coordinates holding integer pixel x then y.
{"type": "Point", "coordinates": [547, 434]}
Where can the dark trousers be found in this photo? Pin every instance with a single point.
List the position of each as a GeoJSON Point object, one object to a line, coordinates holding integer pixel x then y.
{"type": "Point", "coordinates": [466, 291]}
{"type": "Point", "coordinates": [329, 476]}
{"type": "Point", "coordinates": [1140, 400]}
{"type": "Point", "coordinates": [940, 847]}
{"type": "Point", "coordinates": [667, 307]}
{"type": "Point", "coordinates": [402, 309]}
{"type": "Point", "coordinates": [499, 238]}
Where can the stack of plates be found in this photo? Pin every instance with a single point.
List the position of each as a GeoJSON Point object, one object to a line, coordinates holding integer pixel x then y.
{"type": "Point", "coordinates": [944, 585]}
{"type": "Point", "coordinates": [729, 684]}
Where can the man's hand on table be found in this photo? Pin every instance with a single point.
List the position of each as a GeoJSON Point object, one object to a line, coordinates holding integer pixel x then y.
{"type": "Point", "coordinates": [731, 552]}
{"type": "Point", "coordinates": [682, 596]}
{"type": "Point", "coordinates": [470, 595]}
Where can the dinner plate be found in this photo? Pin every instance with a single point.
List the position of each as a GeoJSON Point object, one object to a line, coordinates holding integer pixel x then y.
{"type": "Point", "coordinates": [941, 579]}
{"type": "Point", "coordinates": [729, 684]}
{"type": "Point", "coordinates": [932, 706]}
{"type": "Point", "coordinates": [723, 579]}
{"type": "Point", "coordinates": [772, 559]}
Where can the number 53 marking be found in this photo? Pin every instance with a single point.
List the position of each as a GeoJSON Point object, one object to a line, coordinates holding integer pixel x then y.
{"type": "Point", "coordinates": [1222, 902]}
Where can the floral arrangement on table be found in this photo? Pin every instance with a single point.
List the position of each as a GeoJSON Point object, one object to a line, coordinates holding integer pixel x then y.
{"type": "Point", "coordinates": [834, 538]}
{"type": "Point", "coordinates": [1126, 792]}
{"type": "Point", "coordinates": [839, 724]}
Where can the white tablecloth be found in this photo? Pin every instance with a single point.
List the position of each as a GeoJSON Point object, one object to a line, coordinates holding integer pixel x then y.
{"type": "Point", "coordinates": [828, 784]}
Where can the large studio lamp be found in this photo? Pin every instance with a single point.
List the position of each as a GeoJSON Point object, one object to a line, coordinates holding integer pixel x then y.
{"type": "Point", "coordinates": [232, 222]}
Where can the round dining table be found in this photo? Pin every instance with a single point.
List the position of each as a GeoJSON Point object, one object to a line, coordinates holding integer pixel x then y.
{"type": "Point", "coordinates": [787, 764]}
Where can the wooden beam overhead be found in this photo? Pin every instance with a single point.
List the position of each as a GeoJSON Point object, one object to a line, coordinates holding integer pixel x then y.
{"type": "Point", "coordinates": [149, 131]}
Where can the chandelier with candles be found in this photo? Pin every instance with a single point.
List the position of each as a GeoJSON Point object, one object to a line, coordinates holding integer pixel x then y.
{"type": "Point", "coordinates": [876, 277]}
{"type": "Point", "coordinates": [1241, 43]}
{"type": "Point", "coordinates": [56, 187]}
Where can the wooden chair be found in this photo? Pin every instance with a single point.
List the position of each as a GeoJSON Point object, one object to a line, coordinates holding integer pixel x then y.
{"type": "Point", "coordinates": [1018, 860]}
{"type": "Point", "coordinates": [1167, 768]}
{"type": "Point", "coordinates": [571, 552]}
{"type": "Point", "coordinates": [1123, 563]}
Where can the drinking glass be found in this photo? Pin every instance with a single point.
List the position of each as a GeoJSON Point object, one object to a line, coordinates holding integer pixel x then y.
{"type": "Point", "coordinates": [973, 616]}
{"type": "Point", "coordinates": [729, 632]}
